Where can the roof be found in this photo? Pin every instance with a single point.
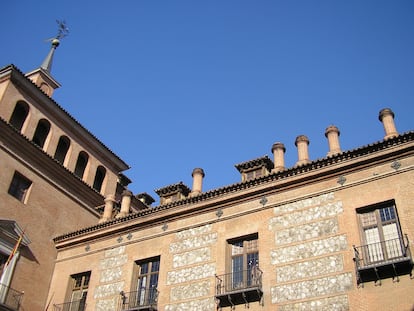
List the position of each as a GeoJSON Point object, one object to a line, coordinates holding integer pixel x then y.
{"type": "Point", "coordinates": [255, 163]}
{"type": "Point", "coordinates": [286, 174]}
{"type": "Point", "coordinates": [174, 188]}
{"type": "Point", "coordinates": [13, 68]}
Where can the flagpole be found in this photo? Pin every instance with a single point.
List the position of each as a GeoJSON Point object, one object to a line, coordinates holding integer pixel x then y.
{"type": "Point", "coordinates": [15, 249]}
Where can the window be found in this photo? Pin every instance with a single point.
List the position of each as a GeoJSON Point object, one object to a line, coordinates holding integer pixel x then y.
{"type": "Point", "coordinates": [381, 233]}
{"type": "Point", "coordinates": [41, 133]}
{"type": "Point", "coordinates": [19, 187]}
{"type": "Point", "coordinates": [20, 112]}
{"type": "Point", "coordinates": [78, 290]}
{"type": "Point", "coordinates": [146, 282]}
{"type": "Point", "coordinates": [3, 260]}
{"type": "Point", "coordinates": [62, 149]}
{"type": "Point", "coordinates": [254, 174]}
{"type": "Point", "coordinates": [242, 282]}
{"type": "Point", "coordinates": [99, 178]}
{"type": "Point", "coordinates": [244, 261]}
{"type": "Point", "coordinates": [81, 164]}
{"type": "Point", "coordinates": [385, 251]}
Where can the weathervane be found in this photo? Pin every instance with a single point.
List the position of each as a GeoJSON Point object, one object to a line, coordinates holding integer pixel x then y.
{"type": "Point", "coordinates": [63, 31]}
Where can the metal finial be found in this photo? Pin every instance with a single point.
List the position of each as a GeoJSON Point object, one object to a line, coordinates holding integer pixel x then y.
{"type": "Point", "coordinates": [63, 31]}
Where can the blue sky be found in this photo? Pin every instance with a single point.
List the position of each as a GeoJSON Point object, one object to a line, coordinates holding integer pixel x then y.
{"type": "Point", "coordinates": [174, 85]}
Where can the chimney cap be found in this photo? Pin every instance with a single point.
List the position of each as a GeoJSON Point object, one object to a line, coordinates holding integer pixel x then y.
{"type": "Point", "coordinates": [301, 138]}
{"type": "Point", "coordinates": [198, 170]}
{"type": "Point", "coordinates": [278, 145]}
{"type": "Point", "coordinates": [145, 198]}
{"type": "Point", "coordinates": [331, 128]}
{"type": "Point", "coordinates": [384, 112]}
{"type": "Point", "coordinates": [127, 192]}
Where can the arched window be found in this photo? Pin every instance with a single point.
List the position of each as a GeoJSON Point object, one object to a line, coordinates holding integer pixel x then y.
{"type": "Point", "coordinates": [20, 112]}
{"type": "Point", "coordinates": [42, 130]}
{"type": "Point", "coordinates": [99, 178]}
{"type": "Point", "coordinates": [62, 149]}
{"type": "Point", "coordinates": [81, 164]}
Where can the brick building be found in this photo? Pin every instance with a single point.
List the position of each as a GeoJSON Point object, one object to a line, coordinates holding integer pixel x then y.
{"type": "Point", "coordinates": [329, 234]}
{"type": "Point", "coordinates": [326, 234]}
{"type": "Point", "coordinates": [55, 175]}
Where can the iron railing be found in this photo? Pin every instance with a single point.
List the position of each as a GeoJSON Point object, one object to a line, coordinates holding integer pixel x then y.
{"type": "Point", "coordinates": [239, 281]}
{"type": "Point", "coordinates": [10, 297]}
{"type": "Point", "coordinates": [383, 252]}
{"type": "Point", "coordinates": [77, 305]}
{"type": "Point", "coordinates": [145, 299]}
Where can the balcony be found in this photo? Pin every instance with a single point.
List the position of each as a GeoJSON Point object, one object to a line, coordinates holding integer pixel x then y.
{"type": "Point", "coordinates": [10, 299]}
{"type": "Point", "coordinates": [76, 305]}
{"type": "Point", "coordinates": [241, 287]}
{"type": "Point", "coordinates": [143, 300]}
{"type": "Point", "coordinates": [385, 259]}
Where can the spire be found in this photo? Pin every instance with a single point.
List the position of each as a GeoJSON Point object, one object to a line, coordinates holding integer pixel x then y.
{"type": "Point", "coordinates": [42, 75]}
{"type": "Point", "coordinates": [47, 63]}
{"type": "Point", "coordinates": [63, 31]}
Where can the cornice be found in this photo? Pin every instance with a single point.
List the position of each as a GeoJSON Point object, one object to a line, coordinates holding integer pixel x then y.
{"type": "Point", "coordinates": [346, 161]}
{"type": "Point", "coordinates": [12, 141]}
{"type": "Point", "coordinates": [19, 78]}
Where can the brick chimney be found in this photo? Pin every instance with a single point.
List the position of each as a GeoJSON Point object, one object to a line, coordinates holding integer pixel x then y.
{"type": "Point", "coordinates": [125, 203]}
{"type": "Point", "coordinates": [302, 143]}
{"type": "Point", "coordinates": [332, 133]}
{"type": "Point", "coordinates": [386, 116]}
{"type": "Point", "coordinates": [109, 206]}
{"type": "Point", "coordinates": [278, 150]}
{"type": "Point", "coordinates": [198, 175]}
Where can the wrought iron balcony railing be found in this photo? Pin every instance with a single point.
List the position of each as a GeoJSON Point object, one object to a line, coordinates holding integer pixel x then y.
{"type": "Point", "coordinates": [10, 298]}
{"type": "Point", "coordinates": [384, 259]}
{"type": "Point", "coordinates": [77, 305]}
{"type": "Point", "coordinates": [241, 287]}
{"type": "Point", "coordinates": [145, 299]}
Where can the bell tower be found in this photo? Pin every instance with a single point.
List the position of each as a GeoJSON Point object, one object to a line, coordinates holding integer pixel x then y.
{"type": "Point", "coordinates": [42, 76]}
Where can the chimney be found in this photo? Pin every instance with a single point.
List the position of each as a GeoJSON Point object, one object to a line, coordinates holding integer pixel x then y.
{"type": "Point", "coordinates": [386, 116]}
{"type": "Point", "coordinates": [198, 175]}
{"type": "Point", "coordinates": [332, 133]}
{"type": "Point", "coordinates": [278, 150]}
{"type": "Point", "coordinates": [109, 206]}
{"type": "Point", "coordinates": [302, 143]}
{"type": "Point", "coordinates": [125, 203]}
{"type": "Point", "coordinates": [145, 198]}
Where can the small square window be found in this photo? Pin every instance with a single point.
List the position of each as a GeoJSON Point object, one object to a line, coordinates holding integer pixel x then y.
{"type": "Point", "coordinates": [19, 187]}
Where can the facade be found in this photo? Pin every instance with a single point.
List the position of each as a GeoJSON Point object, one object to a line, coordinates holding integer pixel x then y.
{"type": "Point", "coordinates": [55, 176]}
{"type": "Point", "coordinates": [329, 234]}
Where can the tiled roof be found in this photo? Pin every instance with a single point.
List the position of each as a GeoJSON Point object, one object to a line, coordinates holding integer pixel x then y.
{"type": "Point", "coordinates": [14, 68]}
{"type": "Point", "coordinates": [174, 188]}
{"type": "Point", "coordinates": [255, 163]}
{"type": "Point", "coordinates": [294, 171]}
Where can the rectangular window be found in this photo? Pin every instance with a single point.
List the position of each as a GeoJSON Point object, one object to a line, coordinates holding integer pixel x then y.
{"type": "Point", "coordinates": [381, 233]}
{"type": "Point", "coordinates": [244, 254]}
{"type": "Point", "coordinates": [254, 174]}
{"type": "Point", "coordinates": [146, 282]}
{"type": "Point", "coordinates": [19, 187]}
{"type": "Point", "coordinates": [78, 290]}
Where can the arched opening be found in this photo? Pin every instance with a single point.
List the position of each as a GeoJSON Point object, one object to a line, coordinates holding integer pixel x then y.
{"type": "Point", "coordinates": [20, 112]}
{"type": "Point", "coordinates": [99, 178]}
{"type": "Point", "coordinates": [81, 164]}
{"type": "Point", "coordinates": [42, 130]}
{"type": "Point", "coordinates": [62, 149]}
